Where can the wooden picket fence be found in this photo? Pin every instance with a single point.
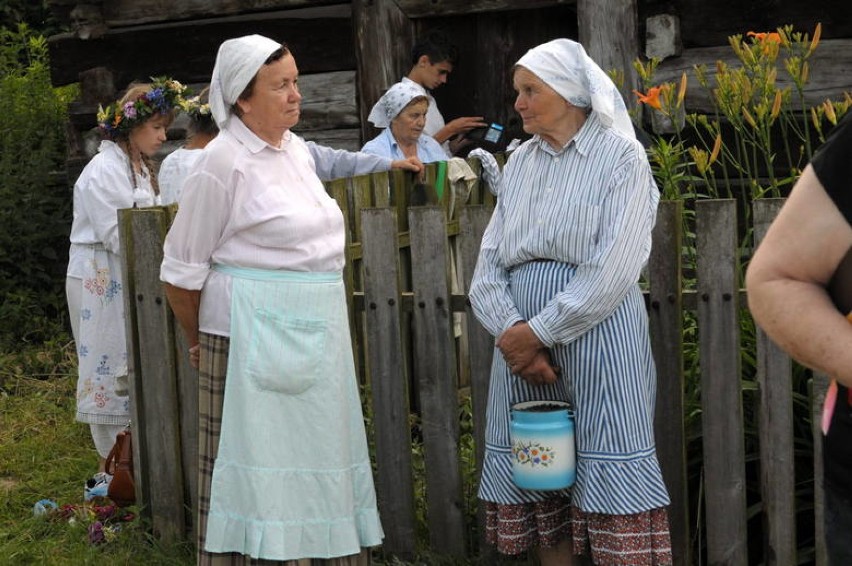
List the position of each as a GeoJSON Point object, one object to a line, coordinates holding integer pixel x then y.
{"type": "Point", "coordinates": [403, 312]}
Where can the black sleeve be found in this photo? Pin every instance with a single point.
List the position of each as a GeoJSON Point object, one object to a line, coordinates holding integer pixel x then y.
{"type": "Point", "coordinates": [833, 166]}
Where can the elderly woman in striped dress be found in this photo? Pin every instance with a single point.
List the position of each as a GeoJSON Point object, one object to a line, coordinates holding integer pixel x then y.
{"type": "Point", "coordinates": [557, 284]}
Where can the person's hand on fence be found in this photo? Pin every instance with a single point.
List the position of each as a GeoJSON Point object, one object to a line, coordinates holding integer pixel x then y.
{"type": "Point", "coordinates": [409, 164]}
{"type": "Point", "coordinates": [195, 355]}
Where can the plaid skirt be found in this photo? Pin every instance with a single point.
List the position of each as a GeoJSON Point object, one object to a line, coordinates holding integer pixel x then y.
{"type": "Point", "coordinates": [640, 539]}
{"type": "Point", "coordinates": [211, 396]}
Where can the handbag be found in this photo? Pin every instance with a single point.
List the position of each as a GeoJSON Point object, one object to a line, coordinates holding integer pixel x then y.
{"type": "Point", "coordinates": [119, 463]}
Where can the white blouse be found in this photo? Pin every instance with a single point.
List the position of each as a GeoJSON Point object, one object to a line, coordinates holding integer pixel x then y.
{"type": "Point", "coordinates": [249, 204]}
{"type": "Point", "coordinates": [102, 189]}
{"type": "Point", "coordinates": [173, 172]}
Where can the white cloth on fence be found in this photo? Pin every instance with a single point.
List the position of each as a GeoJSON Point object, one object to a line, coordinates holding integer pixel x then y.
{"type": "Point", "coordinates": [564, 66]}
{"type": "Point", "coordinates": [237, 62]}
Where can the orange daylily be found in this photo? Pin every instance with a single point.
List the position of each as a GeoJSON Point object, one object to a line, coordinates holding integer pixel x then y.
{"type": "Point", "coordinates": [652, 98]}
{"type": "Point", "coordinates": [772, 36]}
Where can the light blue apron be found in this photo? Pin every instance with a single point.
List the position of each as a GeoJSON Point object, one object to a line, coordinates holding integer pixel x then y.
{"type": "Point", "coordinates": [292, 478]}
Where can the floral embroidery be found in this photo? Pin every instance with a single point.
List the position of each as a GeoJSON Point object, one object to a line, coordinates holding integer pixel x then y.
{"type": "Point", "coordinates": [84, 351]}
{"type": "Point", "coordinates": [103, 368]}
{"type": "Point", "coordinates": [86, 314]}
{"type": "Point", "coordinates": [533, 454]}
{"type": "Point", "coordinates": [101, 398]}
{"type": "Point", "coordinates": [103, 286]}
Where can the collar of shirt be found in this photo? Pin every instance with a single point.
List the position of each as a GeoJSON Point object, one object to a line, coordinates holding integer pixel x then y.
{"type": "Point", "coordinates": [250, 140]}
{"type": "Point", "coordinates": [582, 140]}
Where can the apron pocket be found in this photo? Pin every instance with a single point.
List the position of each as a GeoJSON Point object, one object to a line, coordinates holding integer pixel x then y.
{"type": "Point", "coordinates": [285, 354]}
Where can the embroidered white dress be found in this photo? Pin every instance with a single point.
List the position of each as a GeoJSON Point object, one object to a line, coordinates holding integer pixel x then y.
{"type": "Point", "coordinates": [103, 188]}
{"type": "Point", "coordinates": [173, 172]}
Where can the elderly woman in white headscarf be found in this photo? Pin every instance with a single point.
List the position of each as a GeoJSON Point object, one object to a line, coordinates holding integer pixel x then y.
{"type": "Point", "coordinates": [401, 111]}
{"type": "Point", "coordinates": [557, 284]}
{"type": "Point", "coordinates": [254, 261]}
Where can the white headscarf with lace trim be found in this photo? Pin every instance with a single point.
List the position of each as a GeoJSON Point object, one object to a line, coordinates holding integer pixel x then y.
{"type": "Point", "coordinates": [237, 62]}
{"type": "Point", "coordinates": [566, 68]}
{"type": "Point", "coordinates": [392, 102]}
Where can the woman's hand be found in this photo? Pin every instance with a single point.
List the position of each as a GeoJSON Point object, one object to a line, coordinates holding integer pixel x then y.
{"type": "Point", "coordinates": [539, 371]}
{"type": "Point", "coordinates": [409, 164]}
{"type": "Point", "coordinates": [195, 355]}
{"type": "Point", "coordinates": [519, 345]}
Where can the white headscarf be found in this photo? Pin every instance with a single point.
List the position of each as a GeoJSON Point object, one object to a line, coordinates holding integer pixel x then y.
{"type": "Point", "coordinates": [392, 102]}
{"type": "Point", "coordinates": [237, 62]}
{"type": "Point", "coordinates": [566, 68]}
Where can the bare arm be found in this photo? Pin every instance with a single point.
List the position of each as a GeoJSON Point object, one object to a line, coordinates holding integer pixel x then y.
{"type": "Point", "coordinates": [185, 304]}
{"type": "Point", "coordinates": [458, 126]}
{"type": "Point", "coordinates": [786, 280]}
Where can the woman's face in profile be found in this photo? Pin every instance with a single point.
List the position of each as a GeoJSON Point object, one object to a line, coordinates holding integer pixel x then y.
{"type": "Point", "coordinates": [275, 100]}
{"type": "Point", "coordinates": [409, 123]}
{"type": "Point", "coordinates": [148, 137]}
{"type": "Point", "coordinates": [541, 108]}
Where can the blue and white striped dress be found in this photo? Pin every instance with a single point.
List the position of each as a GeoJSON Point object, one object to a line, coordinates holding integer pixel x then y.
{"type": "Point", "coordinates": [563, 251]}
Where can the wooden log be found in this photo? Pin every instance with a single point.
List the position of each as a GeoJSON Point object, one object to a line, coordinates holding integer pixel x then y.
{"type": "Point", "coordinates": [433, 8]}
{"type": "Point", "coordinates": [434, 362]}
{"type": "Point", "coordinates": [474, 219]}
{"type": "Point", "coordinates": [721, 394]}
{"type": "Point", "coordinates": [343, 138]}
{"type": "Point", "coordinates": [829, 77]}
{"type": "Point", "coordinates": [329, 101]}
{"type": "Point", "coordinates": [154, 389]}
{"type": "Point", "coordinates": [777, 469]}
{"type": "Point", "coordinates": [609, 30]}
{"type": "Point", "coordinates": [665, 316]}
{"type": "Point", "coordinates": [383, 38]}
{"type": "Point", "coordinates": [319, 45]}
{"type": "Point", "coordinates": [388, 379]}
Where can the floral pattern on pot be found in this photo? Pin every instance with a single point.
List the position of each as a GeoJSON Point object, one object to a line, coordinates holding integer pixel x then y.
{"type": "Point", "coordinates": [533, 454]}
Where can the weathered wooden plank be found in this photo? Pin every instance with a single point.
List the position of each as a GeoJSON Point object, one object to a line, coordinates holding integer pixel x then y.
{"type": "Point", "coordinates": [665, 316]}
{"type": "Point", "coordinates": [721, 396]}
{"type": "Point", "coordinates": [610, 33]}
{"type": "Point", "coordinates": [328, 101]}
{"type": "Point", "coordinates": [474, 219]}
{"type": "Point", "coordinates": [395, 482]}
{"type": "Point", "coordinates": [118, 13]}
{"type": "Point", "coordinates": [383, 38]}
{"type": "Point", "coordinates": [777, 470]}
{"type": "Point", "coordinates": [432, 8]}
{"type": "Point", "coordinates": [818, 388]}
{"type": "Point", "coordinates": [829, 72]}
{"type": "Point", "coordinates": [160, 418]}
{"type": "Point", "coordinates": [319, 45]}
{"type": "Point", "coordinates": [434, 362]}
{"type": "Point", "coordinates": [187, 381]}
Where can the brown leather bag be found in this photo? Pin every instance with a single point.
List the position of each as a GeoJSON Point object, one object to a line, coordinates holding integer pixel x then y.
{"type": "Point", "coordinates": [119, 463]}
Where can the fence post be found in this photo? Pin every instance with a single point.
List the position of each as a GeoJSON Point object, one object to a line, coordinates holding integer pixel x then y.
{"type": "Point", "coordinates": [777, 470]}
{"type": "Point", "coordinates": [434, 363]}
{"type": "Point", "coordinates": [472, 224]}
{"type": "Point", "coordinates": [721, 394]}
{"type": "Point", "coordinates": [382, 301]}
{"type": "Point", "coordinates": [154, 396]}
{"type": "Point", "coordinates": [666, 325]}
{"type": "Point", "coordinates": [819, 386]}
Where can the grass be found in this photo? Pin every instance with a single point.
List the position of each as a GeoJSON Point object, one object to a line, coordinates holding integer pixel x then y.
{"type": "Point", "coordinates": [46, 454]}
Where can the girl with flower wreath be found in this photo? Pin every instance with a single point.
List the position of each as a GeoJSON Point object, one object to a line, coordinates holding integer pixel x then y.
{"type": "Point", "coordinates": [201, 131]}
{"type": "Point", "coordinates": [120, 176]}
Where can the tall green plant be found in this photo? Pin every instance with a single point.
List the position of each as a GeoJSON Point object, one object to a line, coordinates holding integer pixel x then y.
{"type": "Point", "coordinates": [36, 213]}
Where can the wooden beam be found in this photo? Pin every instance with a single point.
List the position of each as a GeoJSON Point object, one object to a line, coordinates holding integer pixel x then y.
{"type": "Point", "coordinates": [609, 30]}
{"type": "Point", "coordinates": [117, 13]}
{"type": "Point", "coordinates": [830, 72]}
{"type": "Point", "coordinates": [383, 38]}
{"type": "Point", "coordinates": [432, 8]}
{"type": "Point", "coordinates": [187, 50]}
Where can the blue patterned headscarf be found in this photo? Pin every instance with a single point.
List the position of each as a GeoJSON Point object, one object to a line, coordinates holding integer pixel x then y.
{"type": "Point", "coordinates": [566, 68]}
{"type": "Point", "coordinates": [392, 102]}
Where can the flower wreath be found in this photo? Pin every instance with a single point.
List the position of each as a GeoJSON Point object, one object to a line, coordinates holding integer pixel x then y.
{"type": "Point", "coordinates": [195, 108]}
{"type": "Point", "coordinates": [165, 95]}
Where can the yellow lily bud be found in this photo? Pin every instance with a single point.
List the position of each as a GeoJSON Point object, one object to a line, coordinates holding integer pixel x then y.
{"type": "Point", "coordinates": [717, 147]}
{"type": "Point", "coordinates": [681, 93]}
{"type": "Point", "coordinates": [815, 39]}
{"type": "Point", "coordinates": [776, 105]}
{"type": "Point", "coordinates": [829, 112]}
{"type": "Point", "coordinates": [815, 117]}
{"type": "Point", "coordinates": [749, 118]}
{"type": "Point", "coordinates": [699, 156]}
{"type": "Point", "coordinates": [805, 70]}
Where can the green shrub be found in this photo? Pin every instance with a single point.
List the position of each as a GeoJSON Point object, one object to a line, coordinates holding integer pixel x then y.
{"type": "Point", "coordinates": [35, 217]}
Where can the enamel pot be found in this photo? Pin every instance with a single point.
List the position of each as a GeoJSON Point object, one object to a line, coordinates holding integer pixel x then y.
{"type": "Point", "coordinates": [543, 452]}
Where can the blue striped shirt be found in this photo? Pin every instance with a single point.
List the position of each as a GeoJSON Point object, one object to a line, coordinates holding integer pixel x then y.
{"type": "Point", "coordinates": [591, 204]}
